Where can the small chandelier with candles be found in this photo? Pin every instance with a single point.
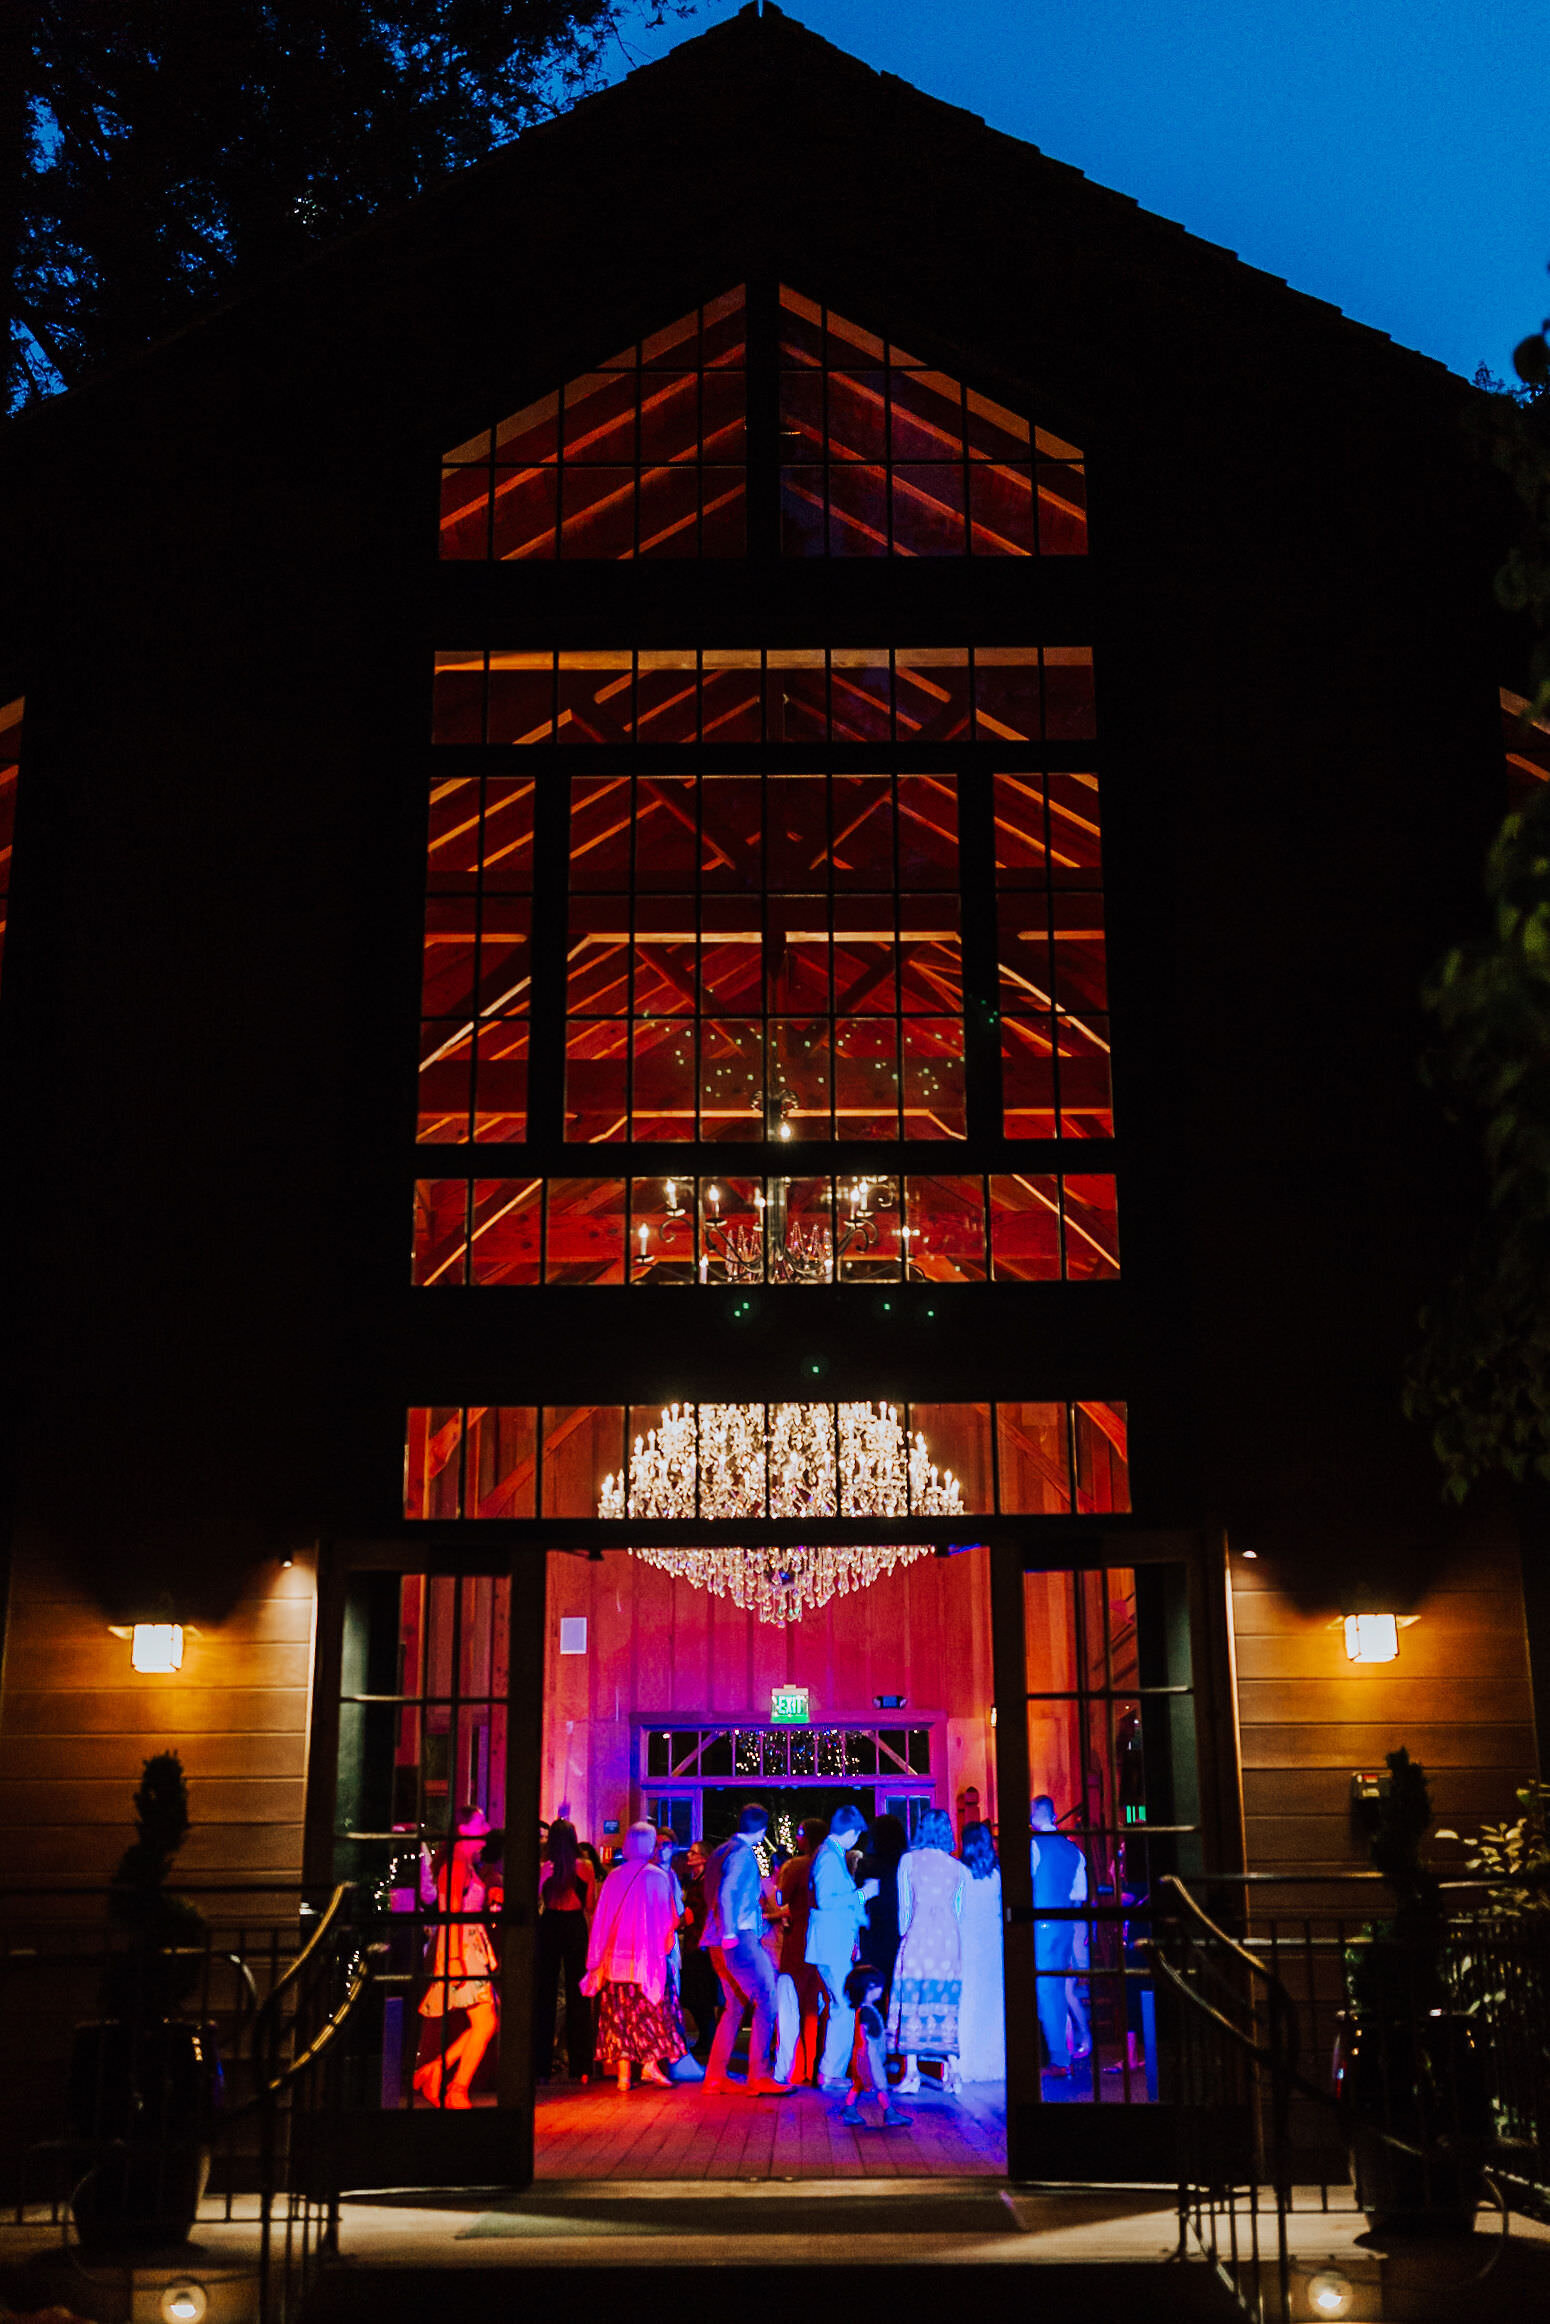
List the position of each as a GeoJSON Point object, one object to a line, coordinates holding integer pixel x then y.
{"type": "Point", "coordinates": [782, 1460]}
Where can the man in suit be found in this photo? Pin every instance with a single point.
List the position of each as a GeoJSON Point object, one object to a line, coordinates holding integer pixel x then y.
{"type": "Point", "coordinates": [834, 1922]}
{"type": "Point", "coordinates": [733, 1935]}
{"type": "Point", "coordinates": [1059, 1946]}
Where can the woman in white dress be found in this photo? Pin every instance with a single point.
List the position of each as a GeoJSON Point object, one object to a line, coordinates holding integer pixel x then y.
{"type": "Point", "coordinates": [981, 2018]}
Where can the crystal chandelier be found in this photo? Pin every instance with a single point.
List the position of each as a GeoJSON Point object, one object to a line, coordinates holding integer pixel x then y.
{"type": "Point", "coordinates": [782, 1460]}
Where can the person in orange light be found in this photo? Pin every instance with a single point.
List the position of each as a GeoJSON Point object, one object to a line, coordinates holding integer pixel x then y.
{"type": "Point", "coordinates": [460, 1962]}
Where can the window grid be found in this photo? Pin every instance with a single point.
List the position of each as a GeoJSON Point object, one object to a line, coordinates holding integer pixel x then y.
{"type": "Point", "coordinates": [732, 695]}
{"type": "Point", "coordinates": [645, 456]}
{"type": "Point", "coordinates": [1053, 996]}
{"type": "Point", "coordinates": [476, 986]}
{"type": "Point", "coordinates": [1050, 1459]}
{"type": "Point", "coordinates": [1011, 1227]}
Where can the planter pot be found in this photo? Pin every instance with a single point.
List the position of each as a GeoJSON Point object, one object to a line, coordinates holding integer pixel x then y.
{"type": "Point", "coordinates": [1418, 2080]}
{"type": "Point", "coordinates": [142, 2101]}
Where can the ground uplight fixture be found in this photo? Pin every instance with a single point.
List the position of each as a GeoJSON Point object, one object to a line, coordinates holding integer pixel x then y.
{"type": "Point", "coordinates": [156, 1649]}
{"type": "Point", "coordinates": [185, 2302]}
{"type": "Point", "coordinates": [1329, 2293]}
{"type": "Point", "coordinates": [1371, 1638]}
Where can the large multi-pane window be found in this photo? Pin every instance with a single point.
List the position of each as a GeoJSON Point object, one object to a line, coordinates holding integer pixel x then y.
{"type": "Point", "coordinates": [878, 454]}
{"type": "Point", "coordinates": [1055, 1048]}
{"type": "Point", "coordinates": [644, 456]}
{"type": "Point", "coordinates": [759, 956]}
{"type": "Point", "coordinates": [476, 988]}
{"type": "Point", "coordinates": [569, 1460]}
{"type": "Point", "coordinates": [883, 455]}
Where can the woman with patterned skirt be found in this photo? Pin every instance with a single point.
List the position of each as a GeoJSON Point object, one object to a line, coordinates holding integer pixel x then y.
{"type": "Point", "coordinates": [632, 1935]}
{"type": "Point", "coordinates": [928, 1974]}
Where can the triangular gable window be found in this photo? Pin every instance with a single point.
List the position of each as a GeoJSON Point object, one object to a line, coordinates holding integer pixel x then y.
{"type": "Point", "coordinates": [882, 455]}
{"type": "Point", "coordinates": [643, 457]}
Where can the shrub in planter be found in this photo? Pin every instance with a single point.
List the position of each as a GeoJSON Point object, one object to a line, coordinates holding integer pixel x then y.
{"type": "Point", "coordinates": [144, 2081]}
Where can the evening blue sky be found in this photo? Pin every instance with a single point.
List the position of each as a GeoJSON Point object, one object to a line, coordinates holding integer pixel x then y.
{"type": "Point", "coordinates": [1388, 155]}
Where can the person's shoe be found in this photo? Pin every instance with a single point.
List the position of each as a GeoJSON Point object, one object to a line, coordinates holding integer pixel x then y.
{"type": "Point", "coordinates": [908, 2085]}
{"type": "Point", "coordinates": [1078, 2055]}
{"type": "Point", "coordinates": [653, 2074]}
{"type": "Point", "coordinates": [456, 2099]}
{"type": "Point", "coordinates": [1061, 2073]}
{"type": "Point", "coordinates": [853, 2116]}
{"type": "Point", "coordinates": [714, 2082]}
{"type": "Point", "coordinates": [893, 2119]}
{"type": "Point", "coordinates": [427, 2081]}
{"type": "Point", "coordinates": [761, 2086]}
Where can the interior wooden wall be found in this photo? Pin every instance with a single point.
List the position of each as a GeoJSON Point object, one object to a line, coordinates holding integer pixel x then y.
{"type": "Point", "coordinates": [76, 1723]}
{"type": "Point", "coordinates": [658, 1649]}
{"type": "Point", "coordinates": [1458, 1698]}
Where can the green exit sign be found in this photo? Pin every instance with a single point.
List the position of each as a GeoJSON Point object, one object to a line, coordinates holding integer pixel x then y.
{"type": "Point", "coordinates": [788, 1706]}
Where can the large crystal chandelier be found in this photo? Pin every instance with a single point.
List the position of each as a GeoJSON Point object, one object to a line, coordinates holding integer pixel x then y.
{"type": "Point", "coordinates": [782, 1460]}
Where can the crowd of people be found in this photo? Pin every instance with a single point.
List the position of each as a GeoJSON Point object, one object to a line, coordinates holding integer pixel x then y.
{"type": "Point", "coordinates": [851, 1959]}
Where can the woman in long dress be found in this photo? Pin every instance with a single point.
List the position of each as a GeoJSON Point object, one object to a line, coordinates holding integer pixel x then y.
{"type": "Point", "coordinates": [981, 2016]}
{"type": "Point", "coordinates": [632, 1934]}
{"type": "Point", "coordinates": [461, 1965]}
{"type": "Point", "coordinates": [928, 1974]}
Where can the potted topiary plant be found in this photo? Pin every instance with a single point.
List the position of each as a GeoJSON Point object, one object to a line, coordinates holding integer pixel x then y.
{"type": "Point", "coordinates": [1406, 2071]}
{"type": "Point", "coordinates": [145, 2081]}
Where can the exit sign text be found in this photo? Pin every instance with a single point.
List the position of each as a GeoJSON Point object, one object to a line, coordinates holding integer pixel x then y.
{"type": "Point", "coordinates": [788, 1706]}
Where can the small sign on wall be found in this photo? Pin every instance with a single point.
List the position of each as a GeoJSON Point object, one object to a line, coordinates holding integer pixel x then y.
{"type": "Point", "coordinates": [788, 1706]}
{"type": "Point", "coordinates": [573, 1634]}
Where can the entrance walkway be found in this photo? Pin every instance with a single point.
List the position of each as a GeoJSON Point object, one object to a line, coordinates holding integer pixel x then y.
{"type": "Point", "coordinates": [684, 2133]}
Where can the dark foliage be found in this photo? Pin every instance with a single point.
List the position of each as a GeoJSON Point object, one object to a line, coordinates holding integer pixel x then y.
{"type": "Point", "coordinates": [169, 152]}
{"type": "Point", "coordinates": [158, 1966]}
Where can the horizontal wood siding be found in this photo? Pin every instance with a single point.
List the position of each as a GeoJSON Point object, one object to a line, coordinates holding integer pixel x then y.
{"type": "Point", "coordinates": [77, 1723]}
{"type": "Point", "coordinates": [1458, 1698]}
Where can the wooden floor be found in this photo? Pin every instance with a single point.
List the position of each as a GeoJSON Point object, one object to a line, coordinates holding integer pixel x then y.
{"type": "Point", "coordinates": [593, 2133]}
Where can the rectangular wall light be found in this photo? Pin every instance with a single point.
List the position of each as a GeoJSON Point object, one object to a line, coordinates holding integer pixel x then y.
{"type": "Point", "coordinates": [1372, 1638]}
{"type": "Point", "coordinates": [156, 1648]}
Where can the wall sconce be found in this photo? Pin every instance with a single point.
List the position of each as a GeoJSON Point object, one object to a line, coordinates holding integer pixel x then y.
{"type": "Point", "coordinates": [156, 1648]}
{"type": "Point", "coordinates": [1372, 1637]}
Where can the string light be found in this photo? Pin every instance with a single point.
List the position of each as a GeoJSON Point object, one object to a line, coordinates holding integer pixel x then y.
{"type": "Point", "coordinates": [787, 1460]}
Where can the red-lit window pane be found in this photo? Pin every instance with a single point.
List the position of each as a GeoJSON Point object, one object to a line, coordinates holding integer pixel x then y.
{"type": "Point", "coordinates": [1033, 1459]}
{"type": "Point", "coordinates": [457, 709]}
{"type": "Point", "coordinates": [866, 1077]}
{"type": "Point", "coordinates": [505, 954]}
{"type": "Point", "coordinates": [1069, 715]}
{"type": "Point", "coordinates": [662, 1091]}
{"type": "Point", "coordinates": [1102, 1459]}
{"type": "Point", "coordinates": [796, 696]}
{"type": "Point", "coordinates": [667, 696]}
{"type": "Point", "coordinates": [669, 512]}
{"type": "Point", "coordinates": [1062, 491]}
{"type": "Point", "coordinates": [581, 1445]}
{"type": "Point", "coordinates": [447, 983]}
{"type": "Point", "coordinates": [801, 417]}
{"type": "Point", "coordinates": [862, 810]}
{"type": "Point", "coordinates": [584, 1231]}
{"type": "Point", "coordinates": [521, 698]}
{"type": "Point", "coordinates": [662, 1212]}
{"type": "Point", "coordinates": [861, 694]}
{"type": "Point", "coordinates": [1025, 1229]}
{"type": "Point", "coordinates": [932, 693]}
{"type": "Point", "coordinates": [529, 436]}
{"type": "Point", "coordinates": [927, 505]}
{"type": "Point", "coordinates": [946, 1222]}
{"type": "Point", "coordinates": [1022, 856]}
{"type": "Point", "coordinates": [465, 512]}
{"type": "Point", "coordinates": [994, 432]}
{"type": "Point", "coordinates": [433, 1462]}
{"type": "Point", "coordinates": [858, 511]}
{"type": "Point", "coordinates": [506, 857]}
{"type": "Point", "coordinates": [930, 955]}
{"type": "Point", "coordinates": [1076, 849]}
{"type": "Point", "coordinates": [869, 1230]}
{"type": "Point", "coordinates": [723, 507]}
{"type": "Point", "coordinates": [933, 1077]}
{"type": "Point", "coordinates": [1081, 980]}
{"type": "Point", "coordinates": [866, 958]}
{"type": "Point", "coordinates": [1028, 1077]}
{"type": "Point", "coordinates": [595, 695]}
{"type": "Point", "coordinates": [598, 981]}
{"type": "Point", "coordinates": [926, 416]}
{"type": "Point", "coordinates": [801, 327]}
{"type": "Point", "coordinates": [598, 427]}
{"type": "Point", "coordinates": [525, 508]}
{"type": "Point", "coordinates": [669, 417]}
{"type": "Point", "coordinates": [928, 831]}
{"type": "Point", "coordinates": [732, 696]}
{"type": "Point", "coordinates": [797, 834]}
{"type": "Point", "coordinates": [731, 1079]}
{"type": "Point", "coordinates": [1006, 694]}
{"type": "Point", "coordinates": [803, 531]}
{"type": "Point", "coordinates": [597, 512]}
{"type": "Point", "coordinates": [797, 1077]}
{"type": "Point", "coordinates": [506, 1236]}
{"type": "Point", "coordinates": [1092, 1229]}
{"type": "Point", "coordinates": [731, 957]}
{"type": "Point", "coordinates": [597, 1083]}
{"type": "Point", "coordinates": [500, 1081]}
{"type": "Point", "coordinates": [501, 1481]}
{"type": "Point", "coordinates": [856, 418]}
{"type": "Point", "coordinates": [1024, 951]}
{"type": "Point", "coordinates": [796, 955]}
{"type": "Point", "coordinates": [666, 839]}
{"type": "Point", "coordinates": [1001, 510]}
{"type": "Point", "coordinates": [723, 415]}
{"type": "Point", "coordinates": [452, 840]}
{"type": "Point", "coordinates": [446, 1081]}
{"type": "Point", "coordinates": [958, 1439]}
{"type": "Point", "coordinates": [440, 1231]}
{"type": "Point", "coordinates": [600, 832]}
{"type": "Point", "coordinates": [1086, 1094]}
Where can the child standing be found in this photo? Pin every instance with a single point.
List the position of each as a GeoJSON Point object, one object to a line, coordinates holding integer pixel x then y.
{"type": "Point", "coordinates": [868, 2072]}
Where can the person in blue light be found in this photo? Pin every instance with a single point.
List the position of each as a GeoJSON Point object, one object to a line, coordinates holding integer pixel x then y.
{"type": "Point", "coordinates": [1059, 1880]}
